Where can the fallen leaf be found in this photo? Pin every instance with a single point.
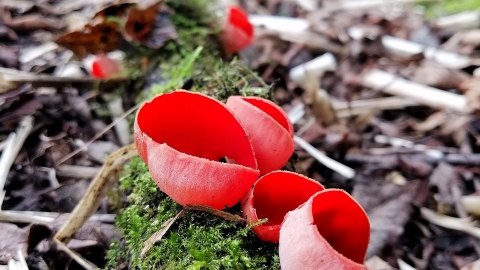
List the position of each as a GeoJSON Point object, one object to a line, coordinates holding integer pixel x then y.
{"type": "Point", "coordinates": [141, 20]}
{"type": "Point", "coordinates": [9, 57]}
{"type": "Point", "coordinates": [443, 178]}
{"type": "Point", "coordinates": [387, 221]}
{"type": "Point", "coordinates": [219, 213]}
{"type": "Point", "coordinates": [100, 38]}
{"type": "Point", "coordinates": [159, 235]}
{"type": "Point", "coordinates": [12, 239]}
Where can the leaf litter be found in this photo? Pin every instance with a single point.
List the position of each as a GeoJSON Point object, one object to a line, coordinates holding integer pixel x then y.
{"type": "Point", "coordinates": [419, 194]}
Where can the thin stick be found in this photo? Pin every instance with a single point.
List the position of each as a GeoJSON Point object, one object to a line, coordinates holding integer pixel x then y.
{"type": "Point", "coordinates": [159, 234]}
{"type": "Point", "coordinates": [367, 4]}
{"type": "Point", "coordinates": [95, 193]}
{"type": "Point", "coordinates": [121, 128]}
{"type": "Point", "coordinates": [15, 143]}
{"type": "Point", "coordinates": [45, 217]}
{"type": "Point", "coordinates": [324, 159]}
{"type": "Point", "coordinates": [218, 213]}
{"type": "Point", "coordinates": [463, 20]}
{"type": "Point", "coordinates": [77, 171]}
{"type": "Point", "coordinates": [458, 224]}
{"type": "Point", "coordinates": [98, 135]}
{"type": "Point", "coordinates": [430, 96]}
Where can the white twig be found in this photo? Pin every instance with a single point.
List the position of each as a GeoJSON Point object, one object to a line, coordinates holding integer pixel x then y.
{"type": "Point", "coordinates": [315, 67]}
{"type": "Point", "coordinates": [21, 260]}
{"type": "Point", "coordinates": [324, 159]}
{"type": "Point", "coordinates": [14, 144]}
{"type": "Point", "coordinates": [121, 128]}
{"type": "Point", "coordinates": [77, 171]}
{"type": "Point", "coordinates": [444, 58]}
{"type": "Point", "coordinates": [404, 266]}
{"type": "Point", "coordinates": [45, 217]}
{"type": "Point", "coordinates": [296, 113]}
{"type": "Point", "coordinates": [458, 224]}
{"type": "Point", "coordinates": [430, 96]}
{"type": "Point", "coordinates": [367, 4]}
{"type": "Point", "coordinates": [463, 20]}
{"type": "Point", "coordinates": [356, 107]}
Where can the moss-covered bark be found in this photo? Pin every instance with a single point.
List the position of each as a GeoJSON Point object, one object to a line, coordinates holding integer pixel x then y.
{"type": "Point", "coordinates": [198, 240]}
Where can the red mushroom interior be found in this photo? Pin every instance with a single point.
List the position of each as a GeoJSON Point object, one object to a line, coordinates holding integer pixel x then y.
{"type": "Point", "coordinates": [273, 110]}
{"type": "Point", "coordinates": [196, 125]}
{"type": "Point", "coordinates": [272, 140]}
{"type": "Point", "coordinates": [277, 193]}
{"type": "Point", "coordinates": [196, 150]}
{"type": "Point", "coordinates": [237, 32]}
{"type": "Point", "coordinates": [343, 223]}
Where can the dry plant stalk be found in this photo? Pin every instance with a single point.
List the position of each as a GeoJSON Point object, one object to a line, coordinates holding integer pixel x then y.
{"type": "Point", "coordinates": [458, 224]}
{"type": "Point", "coordinates": [319, 100]}
{"type": "Point", "coordinates": [91, 200]}
{"type": "Point", "coordinates": [219, 213]}
{"type": "Point", "coordinates": [159, 235]}
{"type": "Point", "coordinates": [13, 145]}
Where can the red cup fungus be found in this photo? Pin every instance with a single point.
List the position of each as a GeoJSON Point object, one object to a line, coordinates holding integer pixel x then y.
{"type": "Point", "coordinates": [272, 197]}
{"type": "Point", "coordinates": [237, 32]}
{"type": "Point", "coordinates": [182, 137]}
{"type": "Point", "coordinates": [269, 128]}
{"type": "Point", "coordinates": [330, 231]}
{"type": "Point", "coordinates": [104, 67]}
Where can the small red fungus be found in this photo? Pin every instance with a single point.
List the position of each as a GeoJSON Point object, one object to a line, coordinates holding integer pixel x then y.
{"type": "Point", "coordinates": [104, 67]}
{"type": "Point", "coordinates": [272, 197]}
{"type": "Point", "coordinates": [330, 231]}
{"type": "Point", "coordinates": [183, 136]}
{"type": "Point", "coordinates": [237, 31]}
{"type": "Point", "coordinates": [270, 130]}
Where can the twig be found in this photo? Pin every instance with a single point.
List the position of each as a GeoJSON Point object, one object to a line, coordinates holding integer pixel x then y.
{"type": "Point", "coordinates": [45, 217]}
{"type": "Point", "coordinates": [159, 235]}
{"type": "Point", "coordinates": [463, 225]}
{"type": "Point", "coordinates": [367, 4]}
{"type": "Point", "coordinates": [95, 193]}
{"type": "Point", "coordinates": [463, 20]}
{"type": "Point", "coordinates": [296, 113]}
{"type": "Point", "coordinates": [21, 260]}
{"type": "Point", "coordinates": [77, 171]}
{"type": "Point", "coordinates": [121, 128]}
{"type": "Point", "coordinates": [453, 159]}
{"type": "Point", "coordinates": [314, 68]}
{"type": "Point", "coordinates": [356, 107]}
{"type": "Point", "coordinates": [430, 96]}
{"type": "Point", "coordinates": [98, 135]}
{"type": "Point", "coordinates": [14, 144]}
{"type": "Point", "coordinates": [444, 58]}
{"type": "Point", "coordinates": [52, 177]}
{"type": "Point", "coordinates": [222, 214]}
{"type": "Point", "coordinates": [324, 159]}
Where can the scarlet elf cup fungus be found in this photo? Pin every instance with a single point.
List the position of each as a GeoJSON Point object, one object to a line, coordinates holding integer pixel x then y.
{"type": "Point", "coordinates": [330, 231]}
{"type": "Point", "coordinates": [237, 32]}
{"type": "Point", "coordinates": [269, 128]}
{"type": "Point", "coordinates": [272, 197]}
{"type": "Point", "coordinates": [182, 136]}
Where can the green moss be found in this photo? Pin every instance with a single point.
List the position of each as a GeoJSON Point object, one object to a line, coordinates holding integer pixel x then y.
{"type": "Point", "coordinates": [198, 240]}
{"type": "Point", "coordinates": [447, 7]}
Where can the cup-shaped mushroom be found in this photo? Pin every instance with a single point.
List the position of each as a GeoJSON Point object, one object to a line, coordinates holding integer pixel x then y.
{"type": "Point", "coordinates": [237, 32]}
{"type": "Point", "coordinates": [272, 197]}
{"type": "Point", "coordinates": [195, 149]}
{"type": "Point", "coordinates": [270, 130]}
{"type": "Point", "coordinates": [330, 231]}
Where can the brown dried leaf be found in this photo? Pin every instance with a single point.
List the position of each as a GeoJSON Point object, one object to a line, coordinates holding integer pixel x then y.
{"type": "Point", "coordinates": [444, 177]}
{"type": "Point", "coordinates": [435, 75]}
{"type": "Point", "coordinates": [388, 220]}
{"type": "Point", "coordinates": [100, 38]}
{"type": "Point", "coordinates": [140, 21]}
{"type": "Point", "coordinates": [159, 235]}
